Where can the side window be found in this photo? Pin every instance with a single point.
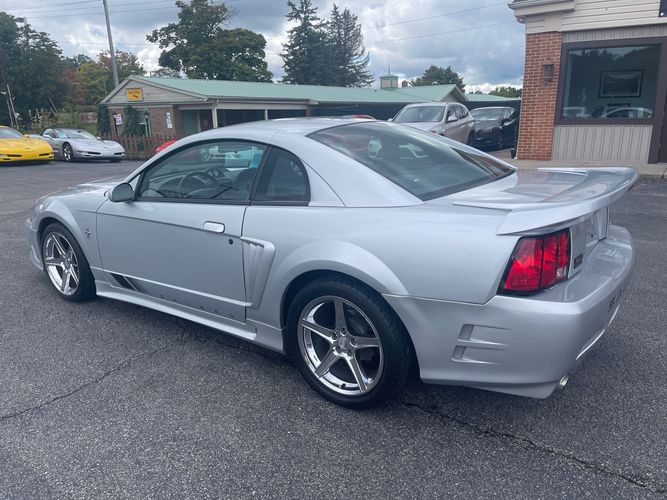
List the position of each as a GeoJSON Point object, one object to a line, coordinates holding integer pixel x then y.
{"type": "Point", "coordinates": [48, 132]}
{"type": "Point", "coordinates": [283, 179]}
{"type": "Point", "coordinates": [463, 111]}
{"type": "Point", "coordinates": [451, 111]}
{"type": "Point", "coordinates": [222, 170]}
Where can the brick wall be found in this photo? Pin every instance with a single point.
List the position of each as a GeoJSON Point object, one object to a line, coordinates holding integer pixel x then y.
{"type": "Point", "coordinates": [538, 100]}
{"type": "Point", "coordinates": [159, 121]}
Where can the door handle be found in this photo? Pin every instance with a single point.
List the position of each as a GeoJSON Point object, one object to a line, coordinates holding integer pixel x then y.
{"type": "Point", "coordinates": [215, 227]}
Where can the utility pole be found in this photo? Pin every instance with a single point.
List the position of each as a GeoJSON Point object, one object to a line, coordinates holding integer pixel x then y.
{"type": "Point", "coordinates": [112, 52]}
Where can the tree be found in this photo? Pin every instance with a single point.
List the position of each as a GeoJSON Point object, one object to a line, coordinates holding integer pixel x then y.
{"type": "Point", "coordinates": [349, 59]}
{"type": "Point", "coordinates": [202, 48]}
{"type": "Point", "coordinates": [437, 75]}
{"type": "Point", "coordinates": [103, 126]}
{"type": "Point", "coordinates": [307, 53]}
{"type": "Point", "coordinates": [33, 68]}
{"type": "Point", "coordinates": [131, 123]}
{"type": "Point", "coordinates": [504, 91]}
{"type": "Point", "coordinates": [127, 64]}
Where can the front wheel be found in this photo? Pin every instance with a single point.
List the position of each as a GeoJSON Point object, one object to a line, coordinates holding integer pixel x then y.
{"type": "Point", "coordinates": [347, 342]}
{"type": "Point", "coordinates": [68, 153]}
{"type": "Point", "coordinates": [471, 139]}
{"type": "Point", "coordinates": [66, 265]}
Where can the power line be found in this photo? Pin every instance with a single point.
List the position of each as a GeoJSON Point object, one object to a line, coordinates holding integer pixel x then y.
{"type": "Point", "coordinates": [437, 15]}
{"type": "Point", "coordinates": [442, 33]}
{"type": "Point", "coordinates": [93, 12]}
{"type": "Point", "coordinates": [46, 13]}
{"type": "Point", "coordinates": [50, 6]}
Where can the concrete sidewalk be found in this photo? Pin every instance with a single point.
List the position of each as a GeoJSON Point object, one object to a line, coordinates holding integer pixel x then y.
{"type": "Point", "coordinates": [654, 170]}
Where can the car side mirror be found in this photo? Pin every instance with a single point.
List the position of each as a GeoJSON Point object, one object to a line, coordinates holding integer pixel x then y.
{"type": "Point", "coordinates": [451, 118]}
{"type": "Point", "coordinates": [122, 193]}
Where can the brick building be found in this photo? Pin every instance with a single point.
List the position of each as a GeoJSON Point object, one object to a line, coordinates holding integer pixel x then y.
{"type": "Point", "coordinates": [171, 107]}
{"type": "Point", "coordinates": [595, 80]}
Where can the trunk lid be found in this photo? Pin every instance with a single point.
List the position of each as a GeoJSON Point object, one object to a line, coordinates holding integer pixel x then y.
{"type": "Point", "coordinates": [548, 198]}
{"type": "Point", "coordinates": [543, 201]}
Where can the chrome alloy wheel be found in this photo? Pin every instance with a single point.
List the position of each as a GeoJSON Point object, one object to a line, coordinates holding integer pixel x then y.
{"type": "Point", "coordinates": [67, 152]}
{"type": "Point", "coordinates": [340, 345]}
{"type": "Point", "coordinates": [61, 263]}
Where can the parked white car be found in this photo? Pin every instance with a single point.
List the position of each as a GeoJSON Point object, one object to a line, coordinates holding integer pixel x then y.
{"type": "Point", "coordinates": [448, 119]}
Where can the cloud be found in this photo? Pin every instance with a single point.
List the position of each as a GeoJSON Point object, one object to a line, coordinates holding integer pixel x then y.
{"type": "Point", "coordinates": [479, 38]}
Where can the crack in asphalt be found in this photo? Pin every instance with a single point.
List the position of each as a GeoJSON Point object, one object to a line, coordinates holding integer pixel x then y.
{"type": "Point", "coordinates": [642, 482]}
{"type": "Point", "coordinates": [118, 367]}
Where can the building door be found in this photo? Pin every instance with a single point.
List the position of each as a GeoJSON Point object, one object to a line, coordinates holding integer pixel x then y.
{"type": "Point", "coordinates": [190, 121]}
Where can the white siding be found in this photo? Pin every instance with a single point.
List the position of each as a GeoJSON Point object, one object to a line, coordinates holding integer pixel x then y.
{"type": "Point", "coordinates": [598, 14]}
{"type": "Point", "coordinates": [152, 94]}
{"type": "Point", "coordinates": [616, 33]}
{"type": "Point", "coordinates": [535, 24]}
{"type": "Point", "coordinates": [602, 142]}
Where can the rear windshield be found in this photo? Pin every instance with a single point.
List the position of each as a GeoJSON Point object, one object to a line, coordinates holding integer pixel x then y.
{"type": "Point", "coordinates": [417, 114]}
{"type": "Point", "coordinates": [422, 163]}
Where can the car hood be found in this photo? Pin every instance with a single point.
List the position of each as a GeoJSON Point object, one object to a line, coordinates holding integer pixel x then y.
{"type": "Point", "coordinates": [20, 144]}
{"type": "Point", "coordinates": [421, 125]}
{"type": "Point", "coordinates": [95, 144]}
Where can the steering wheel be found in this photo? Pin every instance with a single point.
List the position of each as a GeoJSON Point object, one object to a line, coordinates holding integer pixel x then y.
{"type": "Point", "coordinates": [206, 180]}
{"type": "Point", "coordinates": [218, 173]}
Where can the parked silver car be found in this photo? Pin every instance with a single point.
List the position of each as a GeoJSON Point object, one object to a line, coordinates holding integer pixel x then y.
{"type": "Point", "coordinates": [447, 119]}
{"type": "Point", "coordinates": [358, 248]}
{"type": "Point", "coordinates": [70, 144]}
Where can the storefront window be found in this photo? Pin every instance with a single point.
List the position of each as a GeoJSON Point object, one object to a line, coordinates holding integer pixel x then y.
{"type": "Point", "coordinates": [611, 83]}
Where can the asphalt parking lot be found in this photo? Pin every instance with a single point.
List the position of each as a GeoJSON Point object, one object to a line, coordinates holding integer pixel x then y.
{"type": "Point", "coordinates": [106, 399]}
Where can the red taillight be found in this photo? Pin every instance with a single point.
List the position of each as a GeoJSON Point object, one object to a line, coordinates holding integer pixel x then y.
{"type": "Point", "coordinates": [538, 262]}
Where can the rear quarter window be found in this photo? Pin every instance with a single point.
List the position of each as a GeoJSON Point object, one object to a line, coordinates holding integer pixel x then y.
{"type": "Point", "coordinates": [422, 163]}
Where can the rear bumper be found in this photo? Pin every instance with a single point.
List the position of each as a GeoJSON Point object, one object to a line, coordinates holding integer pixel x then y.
{"type": "Point", "coordinates": [520, 345]}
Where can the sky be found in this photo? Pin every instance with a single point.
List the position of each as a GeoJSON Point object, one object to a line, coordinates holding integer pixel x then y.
{"type": "Point", "coordinates": [480, 39]}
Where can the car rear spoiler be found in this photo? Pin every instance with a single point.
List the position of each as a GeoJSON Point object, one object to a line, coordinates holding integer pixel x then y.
{"type": "Point", "coordinates": [596, 189]}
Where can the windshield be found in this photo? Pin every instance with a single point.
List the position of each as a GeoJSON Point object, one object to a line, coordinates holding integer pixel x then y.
{"type": "Point", "coordinates": [422, 163]}
{"type": "Point", "coordinates": [9, 133]}
{"type": "Point", "coordinates": [487, 114]}
{"type": "Point", "coordinates": [417, 114]}
{"type": "Point", "coordinates": [75, 134]}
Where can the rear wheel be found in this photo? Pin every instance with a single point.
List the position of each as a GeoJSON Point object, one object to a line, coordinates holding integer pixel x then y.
{"type": "Point", "coordinates": [347, 342]}
{"type": "Point", "coordinates": [68, 153]}
{"type": "Point", "coordinates": [500, 142]}
{"type": "Point", "coordinates": [66, 265]}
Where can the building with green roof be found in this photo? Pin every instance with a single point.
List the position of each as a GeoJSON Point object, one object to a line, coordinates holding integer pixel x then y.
{"type": "Point", "coordinates": [173, 107]}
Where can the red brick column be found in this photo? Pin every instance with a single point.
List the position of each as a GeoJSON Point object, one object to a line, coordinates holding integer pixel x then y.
{"type": "Point", "coordinates": [538, 99]}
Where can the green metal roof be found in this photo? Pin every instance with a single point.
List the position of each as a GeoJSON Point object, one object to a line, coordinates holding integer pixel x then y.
{"type": "Point", "coordinates": [490, 98]}
{"type": "Point", "coordinates": [319, 93]}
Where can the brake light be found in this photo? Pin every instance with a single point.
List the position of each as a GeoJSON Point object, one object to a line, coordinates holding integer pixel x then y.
{"type": "Point", "coordinates": [538, 262]}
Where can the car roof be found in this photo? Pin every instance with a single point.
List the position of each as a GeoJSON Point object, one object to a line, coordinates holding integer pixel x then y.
{"type": "Point", "coordinates": [494, 107]}
{"type": "Point", "coordinates": [297, 126]}
{"type": "Point", "coordinates": [434, 104]}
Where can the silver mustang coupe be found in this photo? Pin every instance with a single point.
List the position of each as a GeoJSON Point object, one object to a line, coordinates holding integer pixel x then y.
{"type": "Point", "coordinates": [356, 247]}
{"type": "Point", "coordinates": [70, 144]}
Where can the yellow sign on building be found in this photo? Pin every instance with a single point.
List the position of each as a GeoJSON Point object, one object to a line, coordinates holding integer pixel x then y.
{"type": "Point", "coordinates": [135, 94]}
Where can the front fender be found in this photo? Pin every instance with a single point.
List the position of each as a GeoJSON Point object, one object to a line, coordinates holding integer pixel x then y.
{"type": "Point", "coordinates": [81, 223]}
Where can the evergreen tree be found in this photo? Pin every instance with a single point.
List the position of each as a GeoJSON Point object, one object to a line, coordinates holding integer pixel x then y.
{"type": "Point", "coordinates": [437, 75]}
{"type": "Point", "coordinates": [349, 59]}
{"type": "Point", "coordinates": [307, 53]}
{"type": "Point", "coordinates": [504, 91]}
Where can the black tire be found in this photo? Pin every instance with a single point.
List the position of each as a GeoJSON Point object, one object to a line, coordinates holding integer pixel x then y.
{"type": "Point", "coordinates": [85, 289]}
{"type": "Point", "coordinates": [471, 139]}
{"type": "Point", "coordinates": [68, 152]}
{"type": "Point", "coordinates": [396, 347]}
{"type": "Point", "coordinates": [500, 141]}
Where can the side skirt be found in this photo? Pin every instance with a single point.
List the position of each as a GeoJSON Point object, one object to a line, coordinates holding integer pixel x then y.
{"type": "Point", "coordinates": [253, 331]}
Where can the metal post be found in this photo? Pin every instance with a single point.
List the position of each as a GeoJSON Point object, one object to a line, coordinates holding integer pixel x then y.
{"type": "Point", "coordinates": [112, 52]}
